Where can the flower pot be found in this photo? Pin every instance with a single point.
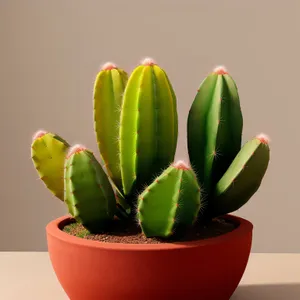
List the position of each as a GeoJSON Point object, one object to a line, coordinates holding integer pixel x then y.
{"type": "Point", "coordinates": [208, 269]}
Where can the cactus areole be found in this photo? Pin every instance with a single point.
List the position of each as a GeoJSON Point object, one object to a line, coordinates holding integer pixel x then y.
{"type": "Point", "coordinates": [141, 222]}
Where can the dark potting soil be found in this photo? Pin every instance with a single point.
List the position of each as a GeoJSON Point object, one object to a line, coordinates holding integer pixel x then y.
{"type": "Point", "coordinates": [130, 233]}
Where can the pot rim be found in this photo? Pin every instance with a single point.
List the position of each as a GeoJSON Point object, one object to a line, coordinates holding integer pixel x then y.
{"type": "Point", "coordinates": [53, 229]}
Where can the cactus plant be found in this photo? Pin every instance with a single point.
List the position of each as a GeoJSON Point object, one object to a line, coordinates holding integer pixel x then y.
{"type": "Point", "coordinates": [136, 126]}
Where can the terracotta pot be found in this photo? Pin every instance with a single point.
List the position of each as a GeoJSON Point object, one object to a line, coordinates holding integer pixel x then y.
{"type": "Point", "coordinates": [209, 269]}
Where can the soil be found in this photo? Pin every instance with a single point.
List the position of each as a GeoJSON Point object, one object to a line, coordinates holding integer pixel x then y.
{"type": "Point", "coordinates": [130, 233]}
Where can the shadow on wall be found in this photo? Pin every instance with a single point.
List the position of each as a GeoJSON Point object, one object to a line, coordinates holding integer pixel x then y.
{"type": "Point", "coordinates": [268, 292]}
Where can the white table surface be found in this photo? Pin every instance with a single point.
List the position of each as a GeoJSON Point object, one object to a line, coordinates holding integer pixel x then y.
{"type": "Point", "coordinates": [29, 276]}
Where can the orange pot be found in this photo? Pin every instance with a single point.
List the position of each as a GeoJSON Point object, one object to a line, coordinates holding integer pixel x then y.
{"type": "Point", "coordinates": [209, 269]}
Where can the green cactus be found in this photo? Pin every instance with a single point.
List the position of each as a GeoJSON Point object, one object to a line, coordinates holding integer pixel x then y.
{"type": "Point", "coordinates": [172, 201]}
{"type": "Point", "coordinates": [136, 125]}
{"type": "Point", "coordinates": [243, 177]}
{"type": "Point", "coordinates": [88, 192]}
{"type": "Point", "coordinates": [48, 152]}
{"type": "Point", "coordinates": [215, 126]}
{"type": "Point", "coordinates": [108, 94]}
{"type": "Point", "coordinates": [148, 126]}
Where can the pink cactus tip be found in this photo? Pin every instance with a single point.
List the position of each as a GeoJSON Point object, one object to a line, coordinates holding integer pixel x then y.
{"type": "Point", "coordinates": [220, 70]}
{"type": "Point", "coordinates": [108, 66]}
{"type": "Point", "coordinates": [76, 149]}
{"type": "Point", "coordinates": [38, 134]}
{"type": "Point", "coordinates": [263, 138]}
{"type": "Point", "coordinates": [180, 164]}
{"type": "Point", "coordinates": [148, 62]}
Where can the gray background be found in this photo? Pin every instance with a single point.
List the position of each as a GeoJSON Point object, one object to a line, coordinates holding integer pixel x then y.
{"type": "Point", "coordinates": [52, 50]}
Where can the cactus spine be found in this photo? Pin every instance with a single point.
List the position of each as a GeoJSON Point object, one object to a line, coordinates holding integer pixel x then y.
{"type": "Point", "coordinates": [48, 152]}
{"type": "Point", "coordinates": [148, 127]}
{"type": "Point", "coordinates": [243, 177]}
{"type": "Point", "coordinates": [88, 193]}
{"type": "Point", "coordinates": [172, 201]}
{"type": "Point", "coordinates": [108, 92]}
{"type": "Point", "coordinates": [215, 125]}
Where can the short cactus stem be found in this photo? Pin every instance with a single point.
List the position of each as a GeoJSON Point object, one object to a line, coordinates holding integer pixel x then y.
{"type": "Point", "coordinates": [48, 152]}
{"type": "Point", "coordinates": [181, 204]}
{"type": "Point", "coordinates": [243, 177]}
{"type": "Point", "coordinates": [91, 200]}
